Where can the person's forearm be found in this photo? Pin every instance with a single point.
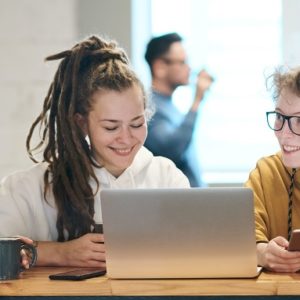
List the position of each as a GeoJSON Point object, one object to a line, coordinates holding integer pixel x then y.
{"type": "Point", "coordinates": [171, 141]}
{"type": "Point", "coordinates": [51, 254]}
{"type": "Point", "coordinates": [197, 100]}
{"type": "Point", "coordinates": [260, 251]}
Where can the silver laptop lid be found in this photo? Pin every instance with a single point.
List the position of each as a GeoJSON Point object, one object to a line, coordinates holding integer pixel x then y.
{"type": "Point", "coordinates": [179, 233]}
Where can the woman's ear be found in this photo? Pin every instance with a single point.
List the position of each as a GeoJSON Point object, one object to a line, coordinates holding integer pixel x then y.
{"type": "Point", "coordinates": [81, 123]}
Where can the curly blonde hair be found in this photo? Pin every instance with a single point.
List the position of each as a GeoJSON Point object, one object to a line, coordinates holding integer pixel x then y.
{"type": "Point", "coordinates": [284, 78]}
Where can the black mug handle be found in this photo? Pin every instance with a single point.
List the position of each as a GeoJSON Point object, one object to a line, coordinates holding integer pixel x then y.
{"type": "Point", "coordinates": [33, 254]}
{"type": "Point", "coordinates": [98, 228]}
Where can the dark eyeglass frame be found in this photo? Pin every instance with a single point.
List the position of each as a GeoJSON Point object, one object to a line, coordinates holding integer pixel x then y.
{"type": "Point", "coordinates": [288, 118]}
{"type": "Point", "coordinates": [170, 61]}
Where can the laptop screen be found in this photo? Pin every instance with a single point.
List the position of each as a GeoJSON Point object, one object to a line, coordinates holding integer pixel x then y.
{"type": "Point", "coordinates": [179, 233]}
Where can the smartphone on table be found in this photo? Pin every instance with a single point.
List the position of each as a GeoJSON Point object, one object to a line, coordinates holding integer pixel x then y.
{"type": "Point", "coordinates": [79, 274]}
{"type": "Point", "coordinates": [294, 243]}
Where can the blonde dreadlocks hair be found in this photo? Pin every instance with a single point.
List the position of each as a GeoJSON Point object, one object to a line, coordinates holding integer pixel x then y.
{"type": "Point", "coordinates": [90, 65]}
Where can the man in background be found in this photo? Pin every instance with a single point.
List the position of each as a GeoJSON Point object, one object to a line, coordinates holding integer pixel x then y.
{"type": "Point", "coordinates": [170, 132]}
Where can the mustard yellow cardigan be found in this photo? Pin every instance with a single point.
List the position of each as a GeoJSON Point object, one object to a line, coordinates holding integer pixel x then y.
{"type": "Point", "coordinates": [270, 182]}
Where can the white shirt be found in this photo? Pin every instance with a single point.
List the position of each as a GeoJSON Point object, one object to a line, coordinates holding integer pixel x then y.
{"type": "Point", "coordinates": [24, 211]}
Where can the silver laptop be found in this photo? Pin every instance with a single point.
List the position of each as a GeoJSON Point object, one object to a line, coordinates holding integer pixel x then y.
{"type": "Point", "coordinates": [179, 233]}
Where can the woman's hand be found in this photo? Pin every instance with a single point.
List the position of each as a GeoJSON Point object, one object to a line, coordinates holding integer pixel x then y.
{"type": "Point", "coordinates": [86, 251]}
{"type": "Point", "coordinates": [25, 256]}
{"type": "Point", "coordinates": [274, 256]}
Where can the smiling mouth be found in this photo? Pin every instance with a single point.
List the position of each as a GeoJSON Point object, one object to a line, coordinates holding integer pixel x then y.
{"type": "Point", "coordinates": [124, 152]}
{"type": "Point", "coordinates": [288, 148]}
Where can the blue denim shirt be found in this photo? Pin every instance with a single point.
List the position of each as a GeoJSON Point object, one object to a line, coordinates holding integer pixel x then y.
{"type": "Point", "coordinates": [170, 134]}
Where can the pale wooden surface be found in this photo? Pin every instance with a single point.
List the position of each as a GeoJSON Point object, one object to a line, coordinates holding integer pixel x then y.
{"type": "Point", "coordinates": [35, 282]}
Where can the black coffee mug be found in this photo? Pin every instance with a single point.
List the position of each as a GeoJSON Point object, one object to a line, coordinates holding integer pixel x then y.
{"type": "Point", "coordinates": [10, 257]}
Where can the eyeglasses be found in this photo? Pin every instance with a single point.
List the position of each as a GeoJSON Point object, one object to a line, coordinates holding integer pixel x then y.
{"type": "Point", "coordinates": [276, 121]}
{"type": "Point", "coordinates": [170, 61]}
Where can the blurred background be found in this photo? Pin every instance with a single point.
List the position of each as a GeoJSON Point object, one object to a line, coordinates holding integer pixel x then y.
{"type": "Point", "coordinates": [239, 42]}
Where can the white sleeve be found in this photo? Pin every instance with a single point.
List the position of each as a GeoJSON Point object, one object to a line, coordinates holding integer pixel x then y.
{"type": "Point", "coordinates": [21, 205]}
{"type": "Point", "coordinates": [14, 210]}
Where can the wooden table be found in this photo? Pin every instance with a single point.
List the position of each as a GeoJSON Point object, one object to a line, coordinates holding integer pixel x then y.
{"type": "Point", "coordinates": [35, 282]}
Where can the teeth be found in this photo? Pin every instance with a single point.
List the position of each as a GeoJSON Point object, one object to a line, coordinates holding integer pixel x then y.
{"type": "Point", "coordinates": [290, 148]}
{"type": "Point", "coordinates": [122, 151]}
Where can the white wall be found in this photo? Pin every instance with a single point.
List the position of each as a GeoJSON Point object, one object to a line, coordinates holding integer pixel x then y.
{"type": "Point", "coordinates": [30, 30]}
{"type": "Point", "coordinates": [111, 18]}
{"type": "Point", "coordinates": [291, 32]}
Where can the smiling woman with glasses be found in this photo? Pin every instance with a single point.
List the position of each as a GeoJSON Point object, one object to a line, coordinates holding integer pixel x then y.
{"type": "Point", "coordinates": [276, 121]}
{"type": "Point", "coordinates": [276, 181]}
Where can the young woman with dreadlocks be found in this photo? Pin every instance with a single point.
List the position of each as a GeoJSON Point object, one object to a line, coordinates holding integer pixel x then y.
{"type": "Point", "coordinates": [93, 126]}
{"type": "Point", "coordinates": [276, 181]}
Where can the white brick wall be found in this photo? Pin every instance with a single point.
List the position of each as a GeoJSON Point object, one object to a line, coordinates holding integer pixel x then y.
{"type": "Point", "coordinates": [30, 30]}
